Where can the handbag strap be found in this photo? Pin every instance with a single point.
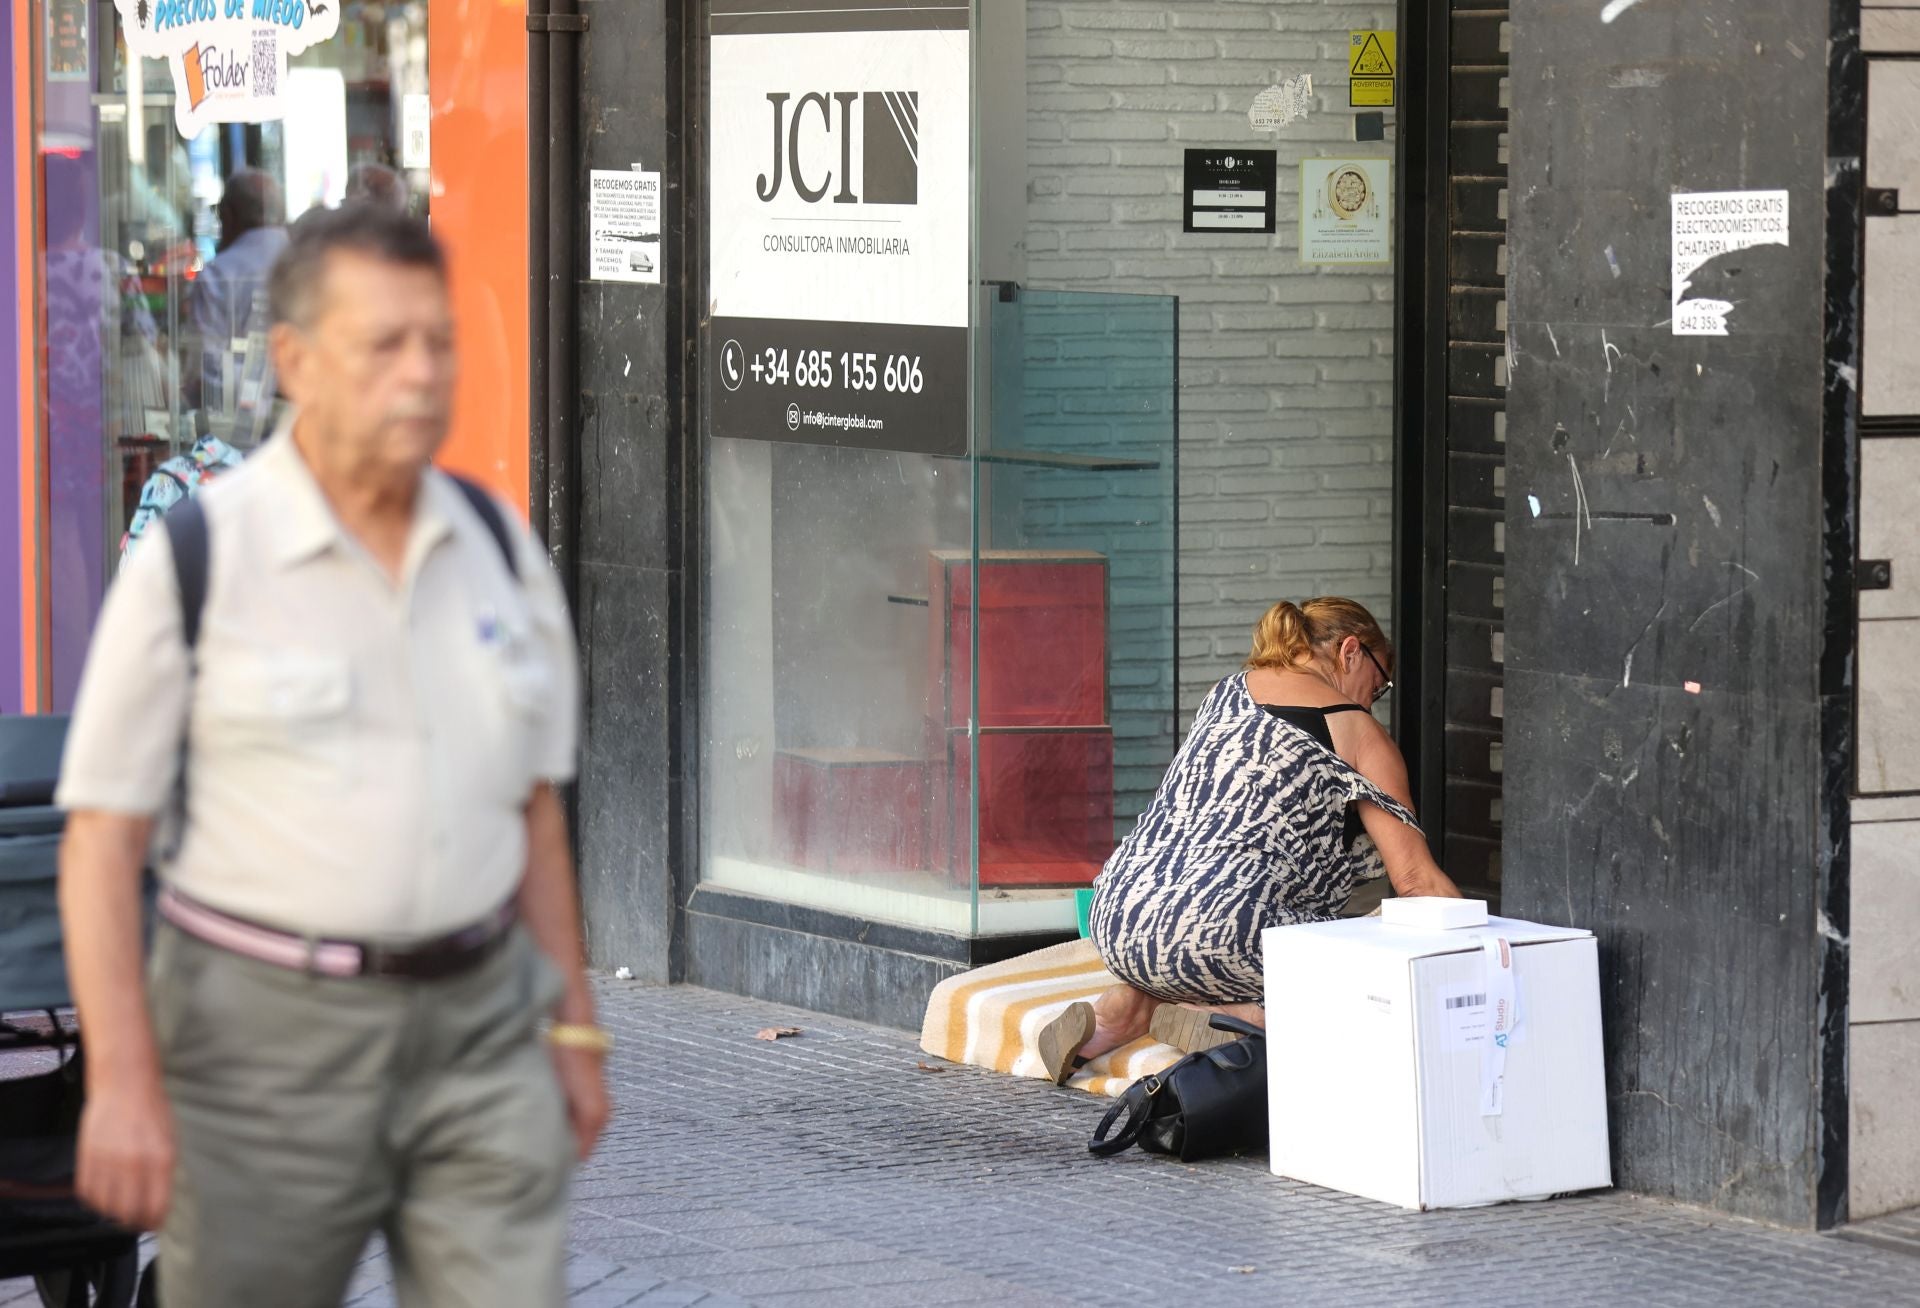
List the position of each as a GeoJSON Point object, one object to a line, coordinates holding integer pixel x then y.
{"type": "Point", "coordinates": [1137, 1103]}
{"type": "Point", "coordinates": [1240, 1026]}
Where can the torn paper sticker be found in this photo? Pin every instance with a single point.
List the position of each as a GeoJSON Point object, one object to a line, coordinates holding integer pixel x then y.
{"type": "Point", "coordinates": [1706, 226]}
{"type": "Point", "coordinates": [1278, 106]}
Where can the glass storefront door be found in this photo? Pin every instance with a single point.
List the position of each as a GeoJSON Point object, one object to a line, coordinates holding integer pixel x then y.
{"type": "Point", "coordinates": [943, 678]}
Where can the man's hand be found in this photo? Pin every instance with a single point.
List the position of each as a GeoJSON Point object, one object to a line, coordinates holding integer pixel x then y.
{"type": "Point", "coordinates": [126, 1153]}
{"type": "Point", "coordinates": [125, 1166]}
{"type": "Point", "coordinates": [583, 1083]}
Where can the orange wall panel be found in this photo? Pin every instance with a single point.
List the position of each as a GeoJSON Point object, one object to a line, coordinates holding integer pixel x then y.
{"type": "Point", "coordinates": [477, 81]}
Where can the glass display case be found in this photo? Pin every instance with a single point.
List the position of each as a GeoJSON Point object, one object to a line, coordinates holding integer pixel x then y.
{"type": "Point", "coordinates": [940, 688]}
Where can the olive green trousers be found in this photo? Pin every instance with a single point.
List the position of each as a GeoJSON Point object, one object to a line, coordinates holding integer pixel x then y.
{"type": "Point", "coordinates": [314, 1111]}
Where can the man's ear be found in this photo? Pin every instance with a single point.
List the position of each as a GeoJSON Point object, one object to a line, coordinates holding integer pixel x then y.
{"type": "Point", "coordinates": [286, 349]}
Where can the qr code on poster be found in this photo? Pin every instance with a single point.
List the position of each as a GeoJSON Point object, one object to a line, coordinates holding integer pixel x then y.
{"type": "Point", "coordinates": [266, 61]}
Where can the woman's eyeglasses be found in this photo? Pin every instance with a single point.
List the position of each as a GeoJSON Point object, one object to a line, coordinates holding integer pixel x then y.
{"type": "Point", "coordinates": [1386, 682]}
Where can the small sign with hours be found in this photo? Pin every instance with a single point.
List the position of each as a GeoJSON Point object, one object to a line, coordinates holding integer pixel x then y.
{"type": "Point", "coordinates": [1230, 191]}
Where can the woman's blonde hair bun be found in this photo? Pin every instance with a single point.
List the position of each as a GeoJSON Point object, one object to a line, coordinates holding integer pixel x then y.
{"type": "Point", "coordinates": [1289, 635]}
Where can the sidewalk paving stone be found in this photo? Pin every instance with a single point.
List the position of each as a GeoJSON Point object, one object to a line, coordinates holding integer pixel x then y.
{"type": "Point", "coordinates": [831, 1169]}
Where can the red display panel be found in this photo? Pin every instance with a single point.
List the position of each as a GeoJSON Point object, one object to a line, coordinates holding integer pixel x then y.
{"type": "Point", "coordinates": [850, 810]}
{"type": "Point", "coordinates": [1046, 805]}
{"type": "Point", "coordinates": [1043, 638]}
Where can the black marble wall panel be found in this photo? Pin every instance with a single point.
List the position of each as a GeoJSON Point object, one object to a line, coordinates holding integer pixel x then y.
{"type": "Point", "coordinates": [827, 975]}
{"type": "Point", "coordinates": [1664, 601]}
{"type": "Point", "coordinates": [631, 467]}
{"type": "Point", "coordinates": [624, 798]}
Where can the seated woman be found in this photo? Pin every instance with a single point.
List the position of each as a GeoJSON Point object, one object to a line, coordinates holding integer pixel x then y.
{"type": "Point", "coordinates": [1286, 794]}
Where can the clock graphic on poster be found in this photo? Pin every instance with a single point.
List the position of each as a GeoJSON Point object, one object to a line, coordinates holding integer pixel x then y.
{"type": "Point", "coordinates": [1348, 193]}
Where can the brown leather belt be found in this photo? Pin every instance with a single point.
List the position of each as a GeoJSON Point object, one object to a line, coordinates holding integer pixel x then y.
{"type": "Point", "coordinates": [426, 960]}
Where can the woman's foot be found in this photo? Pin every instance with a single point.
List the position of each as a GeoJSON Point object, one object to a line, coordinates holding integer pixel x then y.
{"type": "Point", "coordinates": [1120, 1015]}
{"type": "Point", "coordinates": [1062, 1038]}
{"type": "Point", "coordinates": [1187, 1029]}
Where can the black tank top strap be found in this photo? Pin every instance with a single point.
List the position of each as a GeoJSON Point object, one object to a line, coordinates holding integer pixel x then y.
{"type": "Point", "coordinates": [1346, 708]}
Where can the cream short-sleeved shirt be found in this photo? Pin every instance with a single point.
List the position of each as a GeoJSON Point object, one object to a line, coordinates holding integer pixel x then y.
{"type": "Point", "coordinates": [361, 753]}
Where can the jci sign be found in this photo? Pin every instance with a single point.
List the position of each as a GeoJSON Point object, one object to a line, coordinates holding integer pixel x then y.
{"type": "Point", "coordinates": [889, 140]}
{"type": "Point", "coordinates": [229, 57]}
{"type": "Point", "coordinates": [840, 235]}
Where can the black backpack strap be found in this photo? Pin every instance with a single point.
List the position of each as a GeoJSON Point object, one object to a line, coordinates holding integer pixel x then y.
{"type": "Point", "coordinates": [489, 511]}
{"type": "Point", "coordinates": [186, 527]}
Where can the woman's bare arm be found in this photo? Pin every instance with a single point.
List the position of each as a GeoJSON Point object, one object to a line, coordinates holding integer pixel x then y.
{"type": "Point", "coordinates": [1410, 865]}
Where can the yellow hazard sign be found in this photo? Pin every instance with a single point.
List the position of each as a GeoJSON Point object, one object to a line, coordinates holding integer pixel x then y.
{"type": "Point", "coordinates": [1370, 54]}
{"type": "Point", "coordinates": [1370, 93]}
{"type": "Point", "coordinates": [1370, 70]}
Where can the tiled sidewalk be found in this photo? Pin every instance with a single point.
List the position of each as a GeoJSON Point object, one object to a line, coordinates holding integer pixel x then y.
{"type": "Point", "coordinates": [843, 1167]}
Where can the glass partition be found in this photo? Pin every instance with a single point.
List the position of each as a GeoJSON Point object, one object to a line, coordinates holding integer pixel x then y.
{"type": "Point", "coordinates": [1077, 592]}
{"type": "Point", "coordinates": [940, 687]}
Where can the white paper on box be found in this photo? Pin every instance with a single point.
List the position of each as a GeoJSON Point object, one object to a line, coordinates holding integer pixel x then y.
{"type": "Point", "coordinates": [1434, 912]}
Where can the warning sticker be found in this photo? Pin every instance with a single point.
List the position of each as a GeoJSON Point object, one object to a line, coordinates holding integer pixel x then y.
{"type": "Point", "coordinates": [1370, 93]}
{"type": "Point", "coordinates": [1370, 70]}
{"type": "Point", "coordinates": [1370, 54]}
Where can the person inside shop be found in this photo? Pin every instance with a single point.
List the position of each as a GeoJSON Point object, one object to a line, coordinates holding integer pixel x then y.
{"type": "Point", "coordinates": [1286, 794]}
{"type": "Point", "coordinates": [375, 183]}
{"type": "Point", "coordinates": [226, 310]}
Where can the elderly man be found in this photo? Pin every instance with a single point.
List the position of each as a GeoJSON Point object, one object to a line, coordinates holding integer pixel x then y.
{"type": "Point", "coordinates": [368, 906]}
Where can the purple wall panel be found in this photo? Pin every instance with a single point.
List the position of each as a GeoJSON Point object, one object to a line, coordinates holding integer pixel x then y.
{"type": "Point", "coordinates": [11, 349]}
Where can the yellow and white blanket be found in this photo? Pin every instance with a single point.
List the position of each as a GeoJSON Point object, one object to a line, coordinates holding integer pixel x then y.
{"type": "Point", "coordinates": [991, 1017]}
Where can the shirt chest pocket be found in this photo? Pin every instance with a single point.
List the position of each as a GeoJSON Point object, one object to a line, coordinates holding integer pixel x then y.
{"type": "Point", "coordinates": [494, 701]}
{"type": "Point", "coordinates": [287, 709]}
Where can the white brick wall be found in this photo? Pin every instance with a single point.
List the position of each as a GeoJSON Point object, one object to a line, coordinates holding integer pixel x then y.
{"type": "Point", "coordinates": [1286, 371]}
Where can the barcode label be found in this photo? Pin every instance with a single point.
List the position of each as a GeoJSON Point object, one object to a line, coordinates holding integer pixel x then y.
{"type": "Point", "coordinates": [1466, 1001]}
{"type": "Point", "coordinates": [266, 62]}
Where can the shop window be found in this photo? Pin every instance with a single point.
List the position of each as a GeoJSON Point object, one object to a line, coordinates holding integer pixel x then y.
{"type": "Point", "coordinates": [153, 247]}
{"type": "Point", "coordinates": [942, 685]}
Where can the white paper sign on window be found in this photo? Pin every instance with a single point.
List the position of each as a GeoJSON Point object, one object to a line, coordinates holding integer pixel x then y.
{"type": "Point", "coordinates": [229, 57]}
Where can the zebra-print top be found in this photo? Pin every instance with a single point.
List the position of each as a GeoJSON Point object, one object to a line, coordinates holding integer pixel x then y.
{"type": "Point", "coordinates": [1245, 833]}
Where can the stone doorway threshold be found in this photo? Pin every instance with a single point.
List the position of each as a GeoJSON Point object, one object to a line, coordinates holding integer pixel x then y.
{"type": "Point", "coordinates": [1899, 1231]}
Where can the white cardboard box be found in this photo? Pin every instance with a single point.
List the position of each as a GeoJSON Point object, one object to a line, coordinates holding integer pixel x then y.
{"type": "Point", "coordinates": [1385, 1079]}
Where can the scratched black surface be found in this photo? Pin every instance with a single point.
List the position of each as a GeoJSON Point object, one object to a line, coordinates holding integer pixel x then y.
{"type": "Point", "coordinates": [1664, 528]}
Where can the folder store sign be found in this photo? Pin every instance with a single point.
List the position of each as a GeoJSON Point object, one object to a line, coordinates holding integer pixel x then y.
{"type": "Point", "coordinates": [229, 57]}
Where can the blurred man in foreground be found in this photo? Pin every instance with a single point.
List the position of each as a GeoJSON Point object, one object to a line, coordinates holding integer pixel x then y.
{"type": "Point", "coordinates": [368, 908]}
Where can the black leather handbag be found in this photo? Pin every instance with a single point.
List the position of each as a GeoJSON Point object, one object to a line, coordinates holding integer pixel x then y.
{"type": "Point", "coordinates": [1206, 1105]}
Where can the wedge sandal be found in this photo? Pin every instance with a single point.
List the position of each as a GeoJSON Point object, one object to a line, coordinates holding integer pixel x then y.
{"type": "Point", "coordinates": [1060, 1040]}
{"type": "Point", "coordinates": [1186, 1029]}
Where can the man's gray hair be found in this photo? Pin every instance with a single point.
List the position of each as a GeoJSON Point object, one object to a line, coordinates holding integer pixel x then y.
{"type": "Point", "coordinates": [373, 230]}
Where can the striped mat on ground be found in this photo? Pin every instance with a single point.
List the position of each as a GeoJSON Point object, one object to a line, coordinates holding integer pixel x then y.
{"type": "Point", "coordinates": [991, 1017]}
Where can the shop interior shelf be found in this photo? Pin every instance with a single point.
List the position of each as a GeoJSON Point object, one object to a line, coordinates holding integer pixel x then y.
{"type": "Point", "coordinates": [1069, 462]}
